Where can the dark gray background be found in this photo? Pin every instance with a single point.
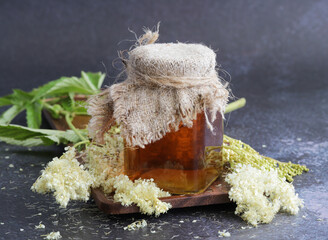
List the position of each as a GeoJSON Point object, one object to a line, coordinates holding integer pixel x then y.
{"type": "Point", "coordinates": [276, 54]}
{"type": "Point", "coordinates": [43, 40]}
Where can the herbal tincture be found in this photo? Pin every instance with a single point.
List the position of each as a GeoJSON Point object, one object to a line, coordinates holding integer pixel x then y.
{"type": "Point", "coordinates": [176, 162]}
{"type": "Point", "coordinates": [169, 109]}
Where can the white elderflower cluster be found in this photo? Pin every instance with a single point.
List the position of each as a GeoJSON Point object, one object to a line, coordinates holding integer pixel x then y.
{"type": "Point", "coordinates": [66, 178]}
{"type": "Point", "coordinates": [142, 192]}
{"type": "Point", "coordinates": [260, 194]}
{"type": "Point", "coordinates": [106, 161]}
{"type": "Point", "coordinates": [136, 225]}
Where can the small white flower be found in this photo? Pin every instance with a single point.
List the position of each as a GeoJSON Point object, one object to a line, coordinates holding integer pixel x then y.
{"type": "Point", "coordinates": [136, 225]}
{"type": "Point", "coordinates": [224, 233]}
{"type": "Point", "coordinates": [40, 226]}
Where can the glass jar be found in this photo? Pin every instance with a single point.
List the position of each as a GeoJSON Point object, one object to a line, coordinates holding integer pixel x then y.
{"type": "Point", "coordinates": [167, 84]}
{"type": "Point", "coordinates": [177, 161]}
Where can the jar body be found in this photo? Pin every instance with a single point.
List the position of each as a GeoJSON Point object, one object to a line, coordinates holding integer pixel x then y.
{"type": "Point", "coordinates": [177, 161]}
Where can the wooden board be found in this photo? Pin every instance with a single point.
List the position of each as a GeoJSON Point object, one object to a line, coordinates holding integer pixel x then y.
{"type": "Point", "coordinates": [60, 123]}
{"type": "Point", "coordinates": [217, 193]}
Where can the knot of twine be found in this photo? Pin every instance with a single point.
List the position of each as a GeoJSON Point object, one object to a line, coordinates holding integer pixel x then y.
{"type": "Point", "coordinates": [150, 37]}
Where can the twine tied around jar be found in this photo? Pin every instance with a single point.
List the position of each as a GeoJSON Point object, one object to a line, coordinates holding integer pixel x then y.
{"type": "Point", "coordinates": [166, 85]}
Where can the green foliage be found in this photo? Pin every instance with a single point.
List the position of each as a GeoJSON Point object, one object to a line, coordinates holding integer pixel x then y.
{"type": "Point", "coordinates": [7, 116]}
{"type": "Point", "coordinates": [29, 137]}
{"type": "Point", "coordinates": [19, 100]}
{"type": "Point", "coordinates": [34, 114]}
{"type": "Point", "coordinates": [56, 96]}
{"type": "Point", "coordinates": [6, 100]}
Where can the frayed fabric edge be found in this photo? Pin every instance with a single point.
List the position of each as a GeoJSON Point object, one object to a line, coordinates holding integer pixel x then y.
{"type": "Point", "coordinates": [100, 108]}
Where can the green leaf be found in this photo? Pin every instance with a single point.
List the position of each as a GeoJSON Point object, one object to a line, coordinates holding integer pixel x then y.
{"type": "Point", "coordinates": [18, 97]}
{"type": "Point", "coordinates": [24, 136]}
{"type": "Point", "coordinates": [96, 79]}
{"type": "Point", "coordinates": [80, 108]}
{"type": "Point", "coordinates": [44, 89]}
{"type": "Point", "coordinates": [70, 136]}
{"type": "Point", "coordinates": [66, 104]}
{"type": "Point", "coordinates": [48, 140]}
{"type": "Point", "coordinates": [6, 100]}
{"type": "Point", "coordinates": [24, 143]}
{"type": "Point", "coordinates": [33, 114]}
{"type": "Point", "coordinates": [71, 97]}
{"type": "Point", "coordinates": [87, 80]}
{"type": "Point", "coordinates": [21, 97]}
{"type": "Point", "coordinates": [7, 116]}
{"type": "Point", "coordinates": [66, 85]}
{"type": "Point", "coordinates": [19, 133]}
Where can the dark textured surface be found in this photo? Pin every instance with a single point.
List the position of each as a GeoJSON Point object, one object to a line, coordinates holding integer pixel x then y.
{"type": "Point", "coordinates": [276, 53]}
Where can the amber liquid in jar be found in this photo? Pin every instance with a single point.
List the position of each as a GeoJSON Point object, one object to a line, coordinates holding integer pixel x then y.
{"type": "Point", "coordinates": [177, 161]}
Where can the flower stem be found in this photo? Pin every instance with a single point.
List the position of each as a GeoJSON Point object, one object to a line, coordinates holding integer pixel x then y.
{"type": "Point", "coordinates": [80, 143]}
{"type": "Point", "coordinates": [71, 126]}
{"type": "Point", "coordinates": [235, 105]}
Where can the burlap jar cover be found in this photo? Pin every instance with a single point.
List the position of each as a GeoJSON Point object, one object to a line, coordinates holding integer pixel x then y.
{"type": "Point", "coordinates": [166, 85]}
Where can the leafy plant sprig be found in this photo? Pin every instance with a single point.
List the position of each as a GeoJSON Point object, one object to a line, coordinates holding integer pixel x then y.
{"type": "Point", "coordinates": [30, 137]}
{"type": "Point", "coordinates": [59, 97]}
